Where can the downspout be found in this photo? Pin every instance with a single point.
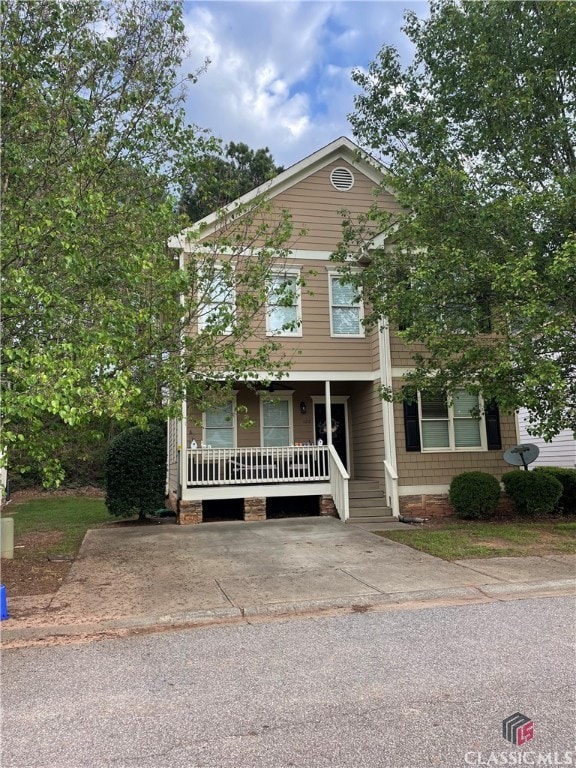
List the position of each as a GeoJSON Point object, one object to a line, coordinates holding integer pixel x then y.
{"type": "Point", "coordinates": [390, 459]}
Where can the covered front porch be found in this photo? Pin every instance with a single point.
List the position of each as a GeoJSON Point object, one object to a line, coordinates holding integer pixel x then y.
{"type": "Point", "coordinates": [303, 438]}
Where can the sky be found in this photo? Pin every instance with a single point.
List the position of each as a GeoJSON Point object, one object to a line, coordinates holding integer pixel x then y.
{"type": "Point", "coordinates": [280, 72]}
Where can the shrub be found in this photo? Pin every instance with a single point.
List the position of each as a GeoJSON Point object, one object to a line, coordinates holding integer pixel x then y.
{"type": "Point", "coordinates": [474, 495]}
{"type": "Point", "coordinates": [533, 493]}
{"type": "Point", "coordinates": [567, 478]}
{"type": "Point", "coordinates": [136, 472]}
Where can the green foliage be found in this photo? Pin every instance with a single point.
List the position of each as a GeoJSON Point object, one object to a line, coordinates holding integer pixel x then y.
{"type": "Point", "coordinates": [478, 133]}
{"type": "Point", "coordinates": [223, 177]}
{"type": "Point", "coordinates": [567, 477]}
{"type": "Point", "coordinates": [474, 495]}
{"type": "Point", "coordinates": [533, 493]}
{"type": "Point", "coordinates": [136, 472]}
{"type": "Point", "coordinates": [95, 150]}
{"type": "Point", "coordinates": [79, 450]}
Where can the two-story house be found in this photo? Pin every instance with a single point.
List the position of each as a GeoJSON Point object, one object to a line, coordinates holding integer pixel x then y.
{"type": "Point", "coordinates": [323, 431]}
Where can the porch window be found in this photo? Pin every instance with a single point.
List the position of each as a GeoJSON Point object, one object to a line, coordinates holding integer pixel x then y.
{"type": "Point", "coordinates": [276, 422]}
{"type": "Point", "coordinates": [454, 425]}
{"type": "Point", "coordinates": [216, 299]}
{"type": "Point", "coordinates": [219, 426]}
{"type": "Point", "coordinates": [345, 309]}
{"type": "Point", "coordinates": [283, 312]}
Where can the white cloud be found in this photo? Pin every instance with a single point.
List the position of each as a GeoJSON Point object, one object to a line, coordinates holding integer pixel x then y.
{"type": "Point", "coordinates": [280, 71]}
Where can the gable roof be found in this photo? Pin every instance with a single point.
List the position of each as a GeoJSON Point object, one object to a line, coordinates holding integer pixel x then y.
{"type": "Point", "coordinates": [342, 148]}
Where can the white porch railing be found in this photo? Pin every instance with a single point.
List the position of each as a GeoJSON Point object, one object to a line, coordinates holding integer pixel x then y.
{"type": "Point", "coordinates": [339, 485]}
{"type": "Point", "coordinates": [248, 466]}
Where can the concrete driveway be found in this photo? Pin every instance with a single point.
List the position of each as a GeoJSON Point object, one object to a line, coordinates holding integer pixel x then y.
{"type": "Point", "coordinates": [238, 568]}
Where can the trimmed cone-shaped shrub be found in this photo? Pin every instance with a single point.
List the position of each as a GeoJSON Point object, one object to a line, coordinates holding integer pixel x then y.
{"type": "Point", "coordinates": [567, 478]}
{"type": "Point", "coordinates": [533, 493]}
{"type": "Point", "coordinates": [474, 495]}
{"type": "Point", "coordinates": [136, 472]}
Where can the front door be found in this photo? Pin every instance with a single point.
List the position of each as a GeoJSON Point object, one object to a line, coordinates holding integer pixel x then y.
{"type": "Point", "coordinates": [338, 427]}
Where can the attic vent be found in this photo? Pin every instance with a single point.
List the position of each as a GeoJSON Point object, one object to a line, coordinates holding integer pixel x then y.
{"type": "Point", "coordinates": [342, 179]}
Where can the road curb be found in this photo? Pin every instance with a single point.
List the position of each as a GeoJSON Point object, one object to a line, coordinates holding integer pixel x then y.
{"type": "Point", "coordinates": [53, 634]}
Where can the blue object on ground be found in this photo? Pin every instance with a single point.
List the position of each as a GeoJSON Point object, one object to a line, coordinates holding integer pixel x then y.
{"type": "Point", "coordinates": [3, 606]}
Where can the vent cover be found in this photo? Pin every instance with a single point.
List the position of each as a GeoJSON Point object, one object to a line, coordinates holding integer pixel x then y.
{"type": "Point", "coordinates": [342, 179]}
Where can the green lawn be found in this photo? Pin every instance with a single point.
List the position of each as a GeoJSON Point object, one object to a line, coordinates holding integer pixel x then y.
{"type": "Point", "coordinates": [458, 540]}
{"type": "Point", "coordinates": [57, 525]}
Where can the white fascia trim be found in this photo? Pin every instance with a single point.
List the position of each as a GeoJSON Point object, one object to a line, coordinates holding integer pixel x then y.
{"type": "Point", "coordinates": [399, 373]}
{"type": "Point", "coordinates": [421, 490]}
{"type": "Point", "coordinates": [310, 255]}
{"type": "Point", "coordinates": [324, 376]}
{"type": "Point", "coordinates": [340, 148]}
{"type": "Point", "coordinates": [299, 376]}
{"type": "Point", "coordinates": [248, 491]}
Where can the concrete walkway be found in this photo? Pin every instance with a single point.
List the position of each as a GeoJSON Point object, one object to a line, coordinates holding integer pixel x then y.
{"type": "Point", "coordinates": [131, 579]}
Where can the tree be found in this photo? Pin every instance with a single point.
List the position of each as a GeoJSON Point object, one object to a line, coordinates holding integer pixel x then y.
{"type": "Point", "coordinates": [478, 135]}
{"type": "Point", "coordinates": [223, 177]}
{"type": "Point", "coordinates": [95, 149]}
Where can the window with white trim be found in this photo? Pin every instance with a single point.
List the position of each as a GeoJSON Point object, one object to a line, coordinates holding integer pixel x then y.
{"type": "Point", "coordinates": [451, 424]}
{"type": "Point", "coordinates": [216, 299]}
{"type": "Point", "coordinates": [283, 313]}
{"type": "Point", "coordinates": [276, 421]}
{"type": "Point", "coordinates": [345, 309]}
{"type": "Point", "coordinates": [220, 426]}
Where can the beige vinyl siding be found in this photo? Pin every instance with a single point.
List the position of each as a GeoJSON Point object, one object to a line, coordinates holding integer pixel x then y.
{"type": "Point", "coordinates": [416, 468]}
{"type": "Point", "coordinates": [402, 354]}
{"type": "Point", "coordinates": [316, 349]}
{"type": "Point", "coordinates": [366, 436]}
{"type": "Point", "coordinates": [316, 205]}
{"type": "Point", "coordinates": [316, 209]}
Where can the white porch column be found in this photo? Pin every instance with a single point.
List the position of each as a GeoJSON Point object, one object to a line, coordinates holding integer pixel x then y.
{"type": "Point", "coordinates": [328, 413]}
{"type": "Point", "coordinates": [390, 460]}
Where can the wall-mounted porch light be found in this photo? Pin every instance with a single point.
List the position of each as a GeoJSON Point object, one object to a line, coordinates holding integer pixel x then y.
{"type": "Point", "coordinates": [303, 407]}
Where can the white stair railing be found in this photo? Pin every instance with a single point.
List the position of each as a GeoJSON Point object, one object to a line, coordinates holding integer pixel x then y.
{"type": "Point", "coordinates": [339, 485]}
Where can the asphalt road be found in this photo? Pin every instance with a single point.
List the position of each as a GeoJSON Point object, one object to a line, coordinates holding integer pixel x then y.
{"type": "Point", "coordinates": [405, 689]}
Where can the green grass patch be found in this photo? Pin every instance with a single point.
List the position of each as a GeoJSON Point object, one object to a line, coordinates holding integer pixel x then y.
{"type": "Point", "coordinates": [457, 541]}
{"type": "Point", "coordinates": [58, 525]}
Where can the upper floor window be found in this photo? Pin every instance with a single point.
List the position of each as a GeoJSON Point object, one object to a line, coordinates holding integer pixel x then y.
{"type": "Point", "coordinates": [220, 426]}
{"type": "Point", "coordinates": [216, 299]}
{"type": "Point", "coordinates": [345, 309]}
{"type": "Point", "coordinates": [283, 314]}
{"type": "Point", "coordinates": [451, 425]}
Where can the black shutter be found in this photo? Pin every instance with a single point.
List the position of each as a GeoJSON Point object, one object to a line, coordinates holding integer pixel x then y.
{"type": "Point", "coordinates": [492, 418]}
{"type": "Point", "coordinates": [411, 426]}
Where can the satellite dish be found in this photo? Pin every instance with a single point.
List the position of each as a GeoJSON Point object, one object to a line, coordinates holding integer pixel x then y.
{"type": "Point", "coordinates": [522, 455]}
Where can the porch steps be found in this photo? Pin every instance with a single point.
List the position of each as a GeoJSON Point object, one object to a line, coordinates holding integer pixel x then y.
{"type": "Point", "coordinates": [367, 503]}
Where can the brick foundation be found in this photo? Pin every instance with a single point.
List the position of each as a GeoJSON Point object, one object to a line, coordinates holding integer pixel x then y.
{"type": "Point", "coordinates": [190, 513]}
{"type": "Point", "coordinates": [327, 507]}
{"type": "Point", "coordinates": [255, 509]}
{"type": "Point", "coordinates": [426, 505]}
{"type": "Point", "coordinates": [438, 505]}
